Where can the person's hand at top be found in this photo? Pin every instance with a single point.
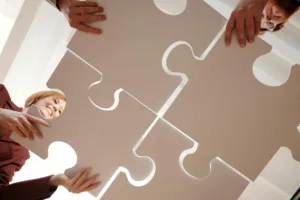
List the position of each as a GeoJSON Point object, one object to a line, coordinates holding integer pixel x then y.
{"type": "Point", "coordinates": [79, 13]}
{"type": "Point", "coordinates": [246, 19]}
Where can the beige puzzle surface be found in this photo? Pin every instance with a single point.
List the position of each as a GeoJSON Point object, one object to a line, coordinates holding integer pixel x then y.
{"type": "Point", "coordinates": [136, 35]}
{"type": "Point", "coordinates": [231, 114]}
{"type": "Point", "coordinates": [102, 139]}
{"type": "Point", "coordinates": [164, 145]}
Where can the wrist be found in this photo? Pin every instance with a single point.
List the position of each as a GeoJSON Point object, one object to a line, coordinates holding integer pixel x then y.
{"type": "Point", "coordinates": [55, 181]}
{"type": "Point", "coordinates": [63, 4]}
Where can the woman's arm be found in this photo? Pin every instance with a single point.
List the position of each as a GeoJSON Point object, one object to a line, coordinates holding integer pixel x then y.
{"type": "Point", "coordinates": [36, 189]}
{"type": "Point", "coordinates": [43, 188]}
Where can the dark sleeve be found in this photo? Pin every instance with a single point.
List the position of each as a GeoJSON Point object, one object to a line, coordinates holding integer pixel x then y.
{"type": "Point", "coordinates": [36, 189]}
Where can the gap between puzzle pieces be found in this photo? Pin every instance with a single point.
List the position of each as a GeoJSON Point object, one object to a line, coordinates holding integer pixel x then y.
{"type": "Point", "coordinates": [167, 147]}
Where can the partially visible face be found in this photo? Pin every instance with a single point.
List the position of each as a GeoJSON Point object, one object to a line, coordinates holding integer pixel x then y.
{"type": "Point", "coordinates": [51, 107]}
{"type": "Point", "coordinates": [272, 15]}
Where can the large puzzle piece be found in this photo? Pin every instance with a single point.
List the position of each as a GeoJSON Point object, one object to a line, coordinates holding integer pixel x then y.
{"type": "Point", "coordinates": [164, 145]}
{"type": "Point", "coordinates": [136, 35]}
{"type": "Point", "coordinates": [103, 140]}
{"type": "Point", "coordinates": [230, 113]}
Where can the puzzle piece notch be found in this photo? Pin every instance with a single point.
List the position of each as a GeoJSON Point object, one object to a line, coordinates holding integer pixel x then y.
{"type": "Point", "coordinates": [230, 113]}
{"type": "Point", "coordinates": [103, 140]}
{"type": "Point", "coordinates": [132, 45]}
{"type": "Point", "coordinates": [164, 145]}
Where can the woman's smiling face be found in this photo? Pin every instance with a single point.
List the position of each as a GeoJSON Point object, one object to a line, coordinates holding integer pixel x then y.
{"type": "Point", "coordinates": [51, 106]}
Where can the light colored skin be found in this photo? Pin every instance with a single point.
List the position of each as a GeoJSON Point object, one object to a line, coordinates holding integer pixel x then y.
{"type": "Point", "coordinates": [51, 107]}
{"type": "Point", "coordinates": [272, 15]}
{"type": "Point", "coordinates": [246, 20]}
{"type": "Point", "coordinates": [79, 13]}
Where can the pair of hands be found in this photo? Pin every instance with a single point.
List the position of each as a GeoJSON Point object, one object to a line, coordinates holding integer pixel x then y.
{"type": "Point", "coordinates": [246, 18]}
{"type": "Point", "coordinates": [26, 126]}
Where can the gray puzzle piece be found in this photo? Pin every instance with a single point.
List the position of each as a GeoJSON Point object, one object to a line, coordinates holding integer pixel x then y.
{"type": "Point", "coordinates": [135, 37]}
{"type": "Point", "coordinates": [103, 140]}
{"type": "Point", "coordinates": [231, 114]}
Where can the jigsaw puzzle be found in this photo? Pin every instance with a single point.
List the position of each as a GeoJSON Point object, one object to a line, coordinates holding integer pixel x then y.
{"type": "Point", "coordinates": [129, 51]}
{"type": "Point", "coordinates": [103, 140]}
{"type": "Point", "coordinates": [230, 113]}
{"type": "Point", "coordinates": [223, 106]}
{"type": "Point", "coordinates": [166, 146]}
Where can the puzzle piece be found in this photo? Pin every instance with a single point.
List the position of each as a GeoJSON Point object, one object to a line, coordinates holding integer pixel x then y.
{"type": "Point", "coordinates": [230, 113]}
{"type": "Point", "coordinates": [129, 51]}
{"type": "Point", "coordinates": [103, 140]}
{"type": "Point", "coordinates": [164, 145]}
{"type": "Point", "coordinates": [283, 171]}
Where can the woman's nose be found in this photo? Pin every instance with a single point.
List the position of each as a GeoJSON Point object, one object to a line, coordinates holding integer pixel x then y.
{"type": "Point", "coordinates": [55, 108]}
{"type": "Point", "coordinates": [269, 17]}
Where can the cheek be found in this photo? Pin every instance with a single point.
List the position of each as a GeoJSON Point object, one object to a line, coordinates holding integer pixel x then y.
{"type": "Point", "coordinates": [44, 112]}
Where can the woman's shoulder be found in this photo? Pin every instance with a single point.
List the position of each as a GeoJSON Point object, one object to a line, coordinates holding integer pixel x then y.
{"type": "Point", "coordinates": [4, 94]}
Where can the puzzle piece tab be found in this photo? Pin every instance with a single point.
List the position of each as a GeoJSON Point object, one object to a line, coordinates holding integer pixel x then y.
{"type": "Point", "coordinates": [130, 49]}
{"type": "Point", "coordinates": [103, 140]}
{"type": "Point", "coordinates": [230, 113]}
{"type": "Point", "coordinates": [164, 145]}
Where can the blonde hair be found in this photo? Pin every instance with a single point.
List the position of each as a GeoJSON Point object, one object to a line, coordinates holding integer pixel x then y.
{"type": "Point", "coordinates": [35, 97]}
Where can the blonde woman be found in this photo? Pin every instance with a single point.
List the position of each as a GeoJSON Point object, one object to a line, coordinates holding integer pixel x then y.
{"type": "Point", "coordinates": [13, 155]}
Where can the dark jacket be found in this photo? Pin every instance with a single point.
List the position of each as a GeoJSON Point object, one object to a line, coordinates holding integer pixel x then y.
{"type": "Point", "coordinates": [12, 158]}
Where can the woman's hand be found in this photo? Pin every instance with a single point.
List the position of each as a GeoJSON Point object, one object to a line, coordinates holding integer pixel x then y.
{"type": "Point", "coordinates": [81, 12]}
{"type": "Point", "coordinates": [79, 183]}
{"type": "Point", "coordinates": [23, 124]}
{"type": "Point", "coordinates": [246, 18]}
